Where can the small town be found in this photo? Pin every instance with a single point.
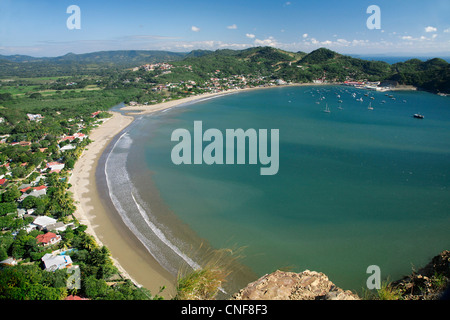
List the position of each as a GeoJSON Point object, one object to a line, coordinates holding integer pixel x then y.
{"type": "Point", "coordinates": [36, 209]}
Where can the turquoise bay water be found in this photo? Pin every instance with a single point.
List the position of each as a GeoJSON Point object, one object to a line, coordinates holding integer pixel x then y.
{"type": "Point", "coordinates": [355, 187]}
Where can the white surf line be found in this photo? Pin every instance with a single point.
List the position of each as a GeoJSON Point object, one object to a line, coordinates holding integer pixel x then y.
{"type": "Point", "coordinates": [163, 238]}
{"type": "Point", "coordinates": [160, 235]}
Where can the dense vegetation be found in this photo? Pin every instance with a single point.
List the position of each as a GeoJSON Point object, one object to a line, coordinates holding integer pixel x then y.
{"type": "Point", "coordinates": [45, 100]}
{"type": "Point", "coordinates": [110, 67]}
{"type": "Point", "coordinates": [37, 114]}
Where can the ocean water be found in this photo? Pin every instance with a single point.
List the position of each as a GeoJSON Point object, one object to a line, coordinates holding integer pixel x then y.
{"type": "Point", "coordinates": [355, 187]}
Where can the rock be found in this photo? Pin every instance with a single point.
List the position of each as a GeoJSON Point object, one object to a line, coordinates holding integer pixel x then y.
{"type": "Point", "coordinates": [429, 283]}
{"type": "Point", "coordinates": [307, 285]}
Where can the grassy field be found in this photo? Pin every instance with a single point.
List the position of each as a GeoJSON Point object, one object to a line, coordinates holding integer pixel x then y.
{"type": "Point", "coordinates": [21, 87]}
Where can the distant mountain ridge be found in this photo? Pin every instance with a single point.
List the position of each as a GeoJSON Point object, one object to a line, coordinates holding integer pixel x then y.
{"type": "Point", "coordinates": [324, 64]}
{"type": "Point", "coordinates": [121, 57]}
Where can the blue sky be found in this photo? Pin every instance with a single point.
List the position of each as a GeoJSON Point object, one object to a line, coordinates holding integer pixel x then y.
{"type": "Point", "coordinates": [38, 28]}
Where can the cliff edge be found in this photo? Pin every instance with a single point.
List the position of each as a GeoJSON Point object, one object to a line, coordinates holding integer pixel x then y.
{"type": "Point", "coordinates": [280, 285]}
{"type": "Point", "coordinates": [432, 282]}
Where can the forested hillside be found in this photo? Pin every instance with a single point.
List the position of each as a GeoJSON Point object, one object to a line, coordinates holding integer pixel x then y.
{"type": "Point", "coordinates": [199, 65]}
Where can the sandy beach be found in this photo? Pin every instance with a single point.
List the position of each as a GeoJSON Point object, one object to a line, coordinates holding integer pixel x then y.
{"type": "Point", "coordinates": [146, 109]}
{"type": "Point", "coordinates": [131, 258]}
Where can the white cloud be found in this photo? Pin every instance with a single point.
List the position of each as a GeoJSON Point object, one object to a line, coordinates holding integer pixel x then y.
{"type": "Point", "coordinates": [356, 42]}
{"type": "Point", "coordinates": [305, 35]}
{"type": "Point", "coordinates": [287, 3]}
{"type": "Point", "coordinates": [232, 27]}
{"type": "Point", "coordinates": [326, 42]}
{"type": "Point", "coordinates": [271, 42]}
{"type": "Point", "coordinates": [430, 29]}
{"type": "Point", "coordinates": [342, 41]}
{"type": "Point", "coordinates": [249, 35]}
{"type": "Point", "coordinates": [447, 30]}
{"type": "Point", "coordinates": [195, 29]}
{"type": "Point", "coordinates": [421, 38]}
{"type": "Point", "coordinates": [208, 44]}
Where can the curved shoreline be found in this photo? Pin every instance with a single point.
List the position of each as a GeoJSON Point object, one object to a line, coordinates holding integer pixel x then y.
{"type": "Point", "coordinates": [140, 109]}
{"type": "Point", "coordinates": [125, 240]}
{"type": "Point", "coordinates": [128, 256]}
{"type": "Point", "coordinates": [96, 211]}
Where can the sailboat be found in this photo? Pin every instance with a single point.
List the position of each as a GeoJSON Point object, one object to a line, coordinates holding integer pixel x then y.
{"type": "Point", "coordinates": [370, 106]}
{"type": "Point", "coordinates": [327, 110]}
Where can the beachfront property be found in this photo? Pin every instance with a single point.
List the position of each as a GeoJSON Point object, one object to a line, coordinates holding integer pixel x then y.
{"type": "Point", "coordinates": [67, 147]}
{"type": "Point", "coordinates": [42, 222]}
{"type": "Point", "coordinates": [55, 166]}
{"type": "Point", "coordinates": [48, 239]}
{"type": "Point", "coordinates": [56, 262]}
{"type": "Point", "coordinates": [78, 135]}
{"type": "Point", "coordinates": [36, 192]}
{"type": "Point", "coordinates": [376, 86]}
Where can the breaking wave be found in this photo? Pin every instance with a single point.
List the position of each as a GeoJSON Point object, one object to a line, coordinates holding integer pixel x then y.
{"type": "Point", "coordinates": [135, 213]}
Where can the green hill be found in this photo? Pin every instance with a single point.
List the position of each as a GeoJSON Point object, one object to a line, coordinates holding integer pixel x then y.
{"type": "Point", "coordinates": [432, 75]}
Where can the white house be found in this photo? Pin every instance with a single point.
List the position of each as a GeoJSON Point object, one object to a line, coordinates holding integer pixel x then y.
{"type": "Point", "coordinates": [9, 262]}
{"type": "Point", "coordinates": [59, 226]}
{"type": "Point", "coordinates": [55, 166]}
{"type": "Point", "coordinates": [68, 147]}
{"type": "Point", "coordinates": [34, 117]}
{"type": "Point", "coordinates": [53, 263]}
{"type": "Point", "coordinates": [43, 221]}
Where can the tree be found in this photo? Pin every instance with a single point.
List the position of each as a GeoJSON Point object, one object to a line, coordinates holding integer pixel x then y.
{"type": "Point", "coordinates": [94, 288]}
{"type": "Point", "coordinates": [11, 194]}
{"type": "Point", "coordinates": [29, 202]}
{"type": "Point", "coordinates": [7, 207]}
{"type": "Point", "coordinates": [28, 282]}
{"type": "Point", "coordinates": [5, 96]}
{"type": "Point", "coordinates": [69, 163]}
{"type": "Point", "coordinates": [36, 95]}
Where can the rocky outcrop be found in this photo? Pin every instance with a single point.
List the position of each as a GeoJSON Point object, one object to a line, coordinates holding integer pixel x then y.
{"type": "Point", "coordinates": [428, 283]}
{"type": "Point", "coordinates": [432, 282]}
{"type": "Point", "coordinates": [307, 285]}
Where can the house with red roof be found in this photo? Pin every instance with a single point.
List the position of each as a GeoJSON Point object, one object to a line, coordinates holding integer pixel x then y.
{"type": "Point", "coordinates": [48, 238]}
{"type": "Point", "coordinates": [25, 189]}
{"type": "Point", "coordinates": [70, 138]}
{"type": "Point", "coordinates": [72, 297]}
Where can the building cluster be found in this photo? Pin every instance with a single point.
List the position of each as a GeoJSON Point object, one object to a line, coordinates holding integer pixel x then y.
{"type": "Point", "coordinates": [154, 66]}
{"type": "Point", "coordinates": [50, 228]}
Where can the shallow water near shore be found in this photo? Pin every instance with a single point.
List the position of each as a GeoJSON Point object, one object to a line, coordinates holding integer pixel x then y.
{"type": "Point", "coordinates": [356, 187]}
